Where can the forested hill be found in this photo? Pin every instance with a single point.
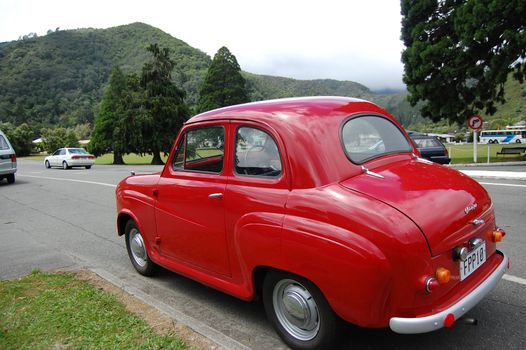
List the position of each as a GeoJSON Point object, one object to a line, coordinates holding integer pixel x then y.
{"type": "Point", "coordinates": [59, 78]}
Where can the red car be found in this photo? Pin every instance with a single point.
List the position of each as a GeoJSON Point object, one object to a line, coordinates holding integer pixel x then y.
{"type": "Point", "coordinates": [323, 207]}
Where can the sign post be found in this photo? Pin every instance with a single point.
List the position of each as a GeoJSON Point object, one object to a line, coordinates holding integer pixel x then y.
{"type": "Point", "coordinates": [475, 123]}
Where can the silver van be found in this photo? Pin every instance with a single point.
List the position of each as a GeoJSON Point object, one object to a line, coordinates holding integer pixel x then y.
{"type": "Point", "coordinates": [7, 159]}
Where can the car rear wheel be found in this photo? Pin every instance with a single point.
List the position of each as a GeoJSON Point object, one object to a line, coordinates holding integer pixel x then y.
{"type": "Point", "coordinates": [299, 312]}
{"type": "Point", "coordinates": [137, 250]}
{"type": "Point", "coordinates": [47, 164]}
{"type": "Point", "coordinates": [10, 178]}
{"type": "Point", "coordinates": [65, 165]}
{"type": "Point", "coordinates": [88, 166]}
{"type": "Point", "coordinates": [518, 141]}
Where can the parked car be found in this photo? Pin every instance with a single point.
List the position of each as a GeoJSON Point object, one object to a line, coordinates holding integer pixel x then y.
{"type": "Point", "coordinates": [67, 158]}
{"type": "Point", "coordinates": [7, 159]}
{"type": "Point", "coordinates": [303, 206]}
{"type": "Point", "coordinates": [431, 148]}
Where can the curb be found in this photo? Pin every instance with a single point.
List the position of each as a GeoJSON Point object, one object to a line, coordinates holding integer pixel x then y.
{"type": "Point", "coordinates": [219, 338]}
{"type": "Point", "coordinates": [488, 164]}
{"type": "Point", "coordinates": [496, 175]}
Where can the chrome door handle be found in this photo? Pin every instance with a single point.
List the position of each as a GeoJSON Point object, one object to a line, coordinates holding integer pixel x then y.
{"type": "Point", "coordinates": [215, 195]}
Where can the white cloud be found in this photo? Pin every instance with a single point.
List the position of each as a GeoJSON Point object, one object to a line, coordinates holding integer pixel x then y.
{"type": "Point", "coordinates": [347, 40]}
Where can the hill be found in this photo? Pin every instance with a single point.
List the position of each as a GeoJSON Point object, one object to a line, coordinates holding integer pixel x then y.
{"type": "Point", "coordinates": [59, 79]}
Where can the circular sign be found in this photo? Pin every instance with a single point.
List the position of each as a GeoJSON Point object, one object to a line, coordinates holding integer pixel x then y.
{"type": "Point", "coordinates": [475, 122]}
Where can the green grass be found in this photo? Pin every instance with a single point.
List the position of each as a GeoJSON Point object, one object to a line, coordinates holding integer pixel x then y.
{"type": "Point", "coordinates": [461, 154]}
{"type": "Point", "coordinates": [43, 310]}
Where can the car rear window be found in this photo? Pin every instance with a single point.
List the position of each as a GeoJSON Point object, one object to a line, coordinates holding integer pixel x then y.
{"type": "Point", "coordinates": [424, 143]}
{"type": "Point", "coordinates": [77, 151]}
{"type": "Point", "coordinates": [3, 143]}
{"type": "Point", "coordinates": [368, 137]}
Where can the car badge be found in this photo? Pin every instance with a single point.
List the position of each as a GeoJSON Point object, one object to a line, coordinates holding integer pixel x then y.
{"type": "Point", "coordinates": [470, 208]}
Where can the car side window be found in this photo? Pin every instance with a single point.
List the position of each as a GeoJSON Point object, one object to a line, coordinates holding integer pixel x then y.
{"type": "Point", "coordinates": [62, 152]}
{"type": "Point", "coordinates": [200, 149]}
{"type": "Point", "coordinates": [3, 143]}
{"type": "Point", "coordinates": [256, 153]}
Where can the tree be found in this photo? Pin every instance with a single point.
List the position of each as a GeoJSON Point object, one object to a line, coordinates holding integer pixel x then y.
{"type": "Point", "coordinates": [164, 103]}
{"type": "Point", "coordinates": [21, 137]}
{"type": "Point", "coordinates": [118, 125]}
{"type": "Point", "coordinates": [223, 85]}
{"type": "Point", "coordinates": [57, 138]}
{"type": "Point", "coordinates": [459, 53]}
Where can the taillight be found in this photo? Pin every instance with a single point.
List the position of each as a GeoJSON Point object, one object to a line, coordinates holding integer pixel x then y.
{"type": "Point", "coordinates": [442, 275]}
{"type": "Point", "coordinates": [431, 284]}
{"type": "Point", "coordinates": [497, 235]}
{"type": "Point", "coordinates": [75, 157]}
{"type": "Point", "coordinates": [91, 157]}
{"type": "Point", "coordinates": [13, 158]}
{"type": "Point", "coordinates": [446, 152]}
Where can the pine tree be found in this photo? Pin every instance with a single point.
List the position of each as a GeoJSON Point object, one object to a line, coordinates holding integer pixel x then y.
{"type": "Point", "coordinates": [460, 52]}
{"type": "Point", "coordinates": [164, 103]}
{"type": "Point", "coordinates": [223, 85]}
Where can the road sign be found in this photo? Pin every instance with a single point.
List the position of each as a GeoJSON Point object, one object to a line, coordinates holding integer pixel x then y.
{"type": "Point", "coordinates": [475, 122]}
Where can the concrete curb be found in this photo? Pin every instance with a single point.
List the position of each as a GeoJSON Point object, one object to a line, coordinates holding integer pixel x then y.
{"type": "Point", "coordinates": [196, 325]}
{"type": "Point", "coordinates": [496, 175]}
{"type": "Point", "coordinates": [476, 165]}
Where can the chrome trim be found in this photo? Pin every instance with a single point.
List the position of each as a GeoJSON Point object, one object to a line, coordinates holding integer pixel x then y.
{"type": "Point", "coordinates": [475, 242]}
{"type": "Point", "coordinates": [371, 173]}
{"type": "Point", "coordinates": [478, 222]}
{"type": "Point", "coordinates": [434, 322]}
{"type": "Point", "coordinates": [215, 195]}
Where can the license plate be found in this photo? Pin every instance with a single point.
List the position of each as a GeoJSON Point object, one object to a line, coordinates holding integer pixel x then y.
{"type": "Point", "coordinates": [475, 259]}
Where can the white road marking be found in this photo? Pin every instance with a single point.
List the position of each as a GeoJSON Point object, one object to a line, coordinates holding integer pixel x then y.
{"type": "Point", "coordinates": [71, 180]}
{"type": "Point", "coordinates": [515, 279]}
{"type": "Point", "coordinates": [499, 184]}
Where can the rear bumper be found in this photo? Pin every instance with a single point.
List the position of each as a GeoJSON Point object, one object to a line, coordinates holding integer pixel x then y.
{"type": "Point", "coordinates": [436, 321]}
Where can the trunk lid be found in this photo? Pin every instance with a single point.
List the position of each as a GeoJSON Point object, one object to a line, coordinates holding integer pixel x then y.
{"type": "Point", "coordinates": [441, 201]}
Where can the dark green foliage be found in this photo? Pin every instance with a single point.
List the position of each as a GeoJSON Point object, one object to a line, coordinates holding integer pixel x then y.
{"type": "Point", "coordinates": [20, 137]}
{"type": "Point", "coordinates": [118, 125]}
{"type": "Point", "coordinates": [460, 52]}
{"type": "Point", "coordinates": [164, 103]}
{"type": "Point", "coordinates": [224, 85]}
{"type": "Point", "coordinates": [60, 78]}
{"type": "Point", "coordinates": [54, 139]}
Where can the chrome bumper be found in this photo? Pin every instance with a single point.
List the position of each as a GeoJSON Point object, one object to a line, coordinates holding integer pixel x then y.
{"type": "Point", "coordinates": [436, 321]}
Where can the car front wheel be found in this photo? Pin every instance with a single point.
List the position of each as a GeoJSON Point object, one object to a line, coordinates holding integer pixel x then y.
{"type": "Point", "coordinates": [137, 250]}
{"type": "Point", "coordinates": [299, 312]}
{"type": "Point", "coordinates": [47, 164]}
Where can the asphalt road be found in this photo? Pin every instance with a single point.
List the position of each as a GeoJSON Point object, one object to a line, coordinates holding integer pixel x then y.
{"type": "Point", "coordinates": [55, 219]}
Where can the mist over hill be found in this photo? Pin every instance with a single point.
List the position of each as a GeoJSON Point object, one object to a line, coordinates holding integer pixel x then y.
{"type": "Point", "coordinates": [59, 78]}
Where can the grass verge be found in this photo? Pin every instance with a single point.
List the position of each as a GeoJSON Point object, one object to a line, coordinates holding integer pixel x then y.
{"type": "Point", "coordinates": [58, 310]}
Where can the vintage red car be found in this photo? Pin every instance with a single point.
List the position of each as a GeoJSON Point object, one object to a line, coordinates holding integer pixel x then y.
{"type": "Point", "coordinates": [323, 207]}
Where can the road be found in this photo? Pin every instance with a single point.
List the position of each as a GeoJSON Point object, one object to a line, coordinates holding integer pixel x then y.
{"type": "Point", "coordinates": [55, 219]}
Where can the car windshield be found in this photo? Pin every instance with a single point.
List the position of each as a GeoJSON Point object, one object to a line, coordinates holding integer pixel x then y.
{"type": "Point", "coordinates": [368, 137]}
{"type": "Point", "coordinates": [425, 143]}
{"type": "Point", "coordinates": [77, 151]}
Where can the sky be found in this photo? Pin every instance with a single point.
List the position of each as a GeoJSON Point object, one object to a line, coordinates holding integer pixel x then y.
{"type": "Point", "coordinates": [357, 40]}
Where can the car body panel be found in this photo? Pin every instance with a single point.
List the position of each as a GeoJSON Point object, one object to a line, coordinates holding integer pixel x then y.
{"type": "Point", "coordinates": [367, 235]}
{"type": "Point", "coordinates": [7, 155]}
{"type": "Point", "coordinates": [74, 157]}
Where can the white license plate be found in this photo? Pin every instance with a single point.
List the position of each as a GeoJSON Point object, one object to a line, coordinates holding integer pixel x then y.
{"type": "Point", "coordinates": [475, 259]}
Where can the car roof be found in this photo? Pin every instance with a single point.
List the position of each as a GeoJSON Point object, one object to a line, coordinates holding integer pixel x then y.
{"type": "Point", "coordinates": [304, 125]}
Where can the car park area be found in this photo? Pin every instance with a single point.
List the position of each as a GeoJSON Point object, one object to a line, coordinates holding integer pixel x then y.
{"type": "Point", "coordinates": [83, 235]}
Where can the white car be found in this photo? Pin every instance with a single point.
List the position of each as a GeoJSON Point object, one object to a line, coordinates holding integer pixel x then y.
{"type": "Point", "coordinates": [70, 157]}
{"type": "Point", "coordinates": [7, 159]}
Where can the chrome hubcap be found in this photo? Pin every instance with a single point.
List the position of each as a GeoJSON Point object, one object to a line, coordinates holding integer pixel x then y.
{"type": "Point", "coordinates": [137, 247]}
{"type": "Point", "coordinates": [296, 309]}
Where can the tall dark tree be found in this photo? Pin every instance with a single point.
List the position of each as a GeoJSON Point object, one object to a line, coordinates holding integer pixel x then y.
{"type": "Point", "coordinates": [118, 125]}
{"type": "Point", "coordinates": [460, 52]}
{"type": "Point", "coordinates": [165, 106]}
{"type": "Point", "coordinates": [224, 85]}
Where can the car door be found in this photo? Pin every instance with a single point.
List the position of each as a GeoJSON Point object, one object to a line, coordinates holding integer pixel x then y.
{"type": "Point", "coordinates": [189, 208]}
{"type": "Point", "coordinates": [53, 160]}
{"type": "Point", "coordinates": [256, 194]}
